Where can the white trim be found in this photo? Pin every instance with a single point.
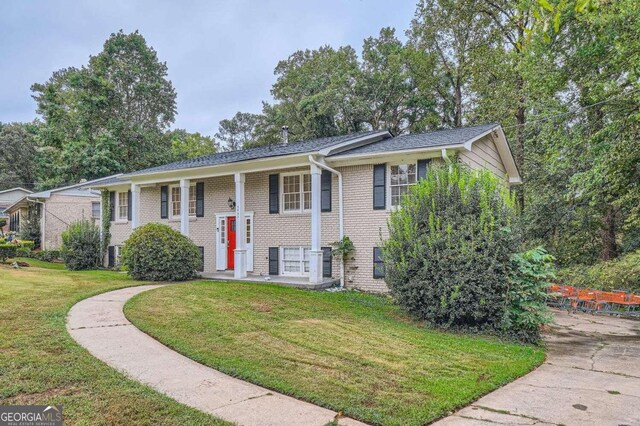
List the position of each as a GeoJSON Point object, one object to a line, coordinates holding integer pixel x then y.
{"type": "Point", "coordinates": [302, 273]}
{"type": "Point", "coordinates": [390, 206]}
{"type": "Point", "coordinates": [118, 219]}
{"type": "Point", "coordinates": [221, 248]}
{"type": "Point", "coordinates": [192, 189]}
{"type": "Point", "coordinates": [301, 191]}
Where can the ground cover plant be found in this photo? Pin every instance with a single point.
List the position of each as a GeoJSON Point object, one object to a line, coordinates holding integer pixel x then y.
{"type": "Point", "coordinates": [348, 351]}
{"type": "Point", "coordinates": [41, 364]}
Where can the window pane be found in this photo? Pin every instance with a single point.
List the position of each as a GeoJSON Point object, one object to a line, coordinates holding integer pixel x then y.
{"type": "Point", "coordinates": [175, 201]}
{"type": "Point", "coordinates": [248, 230]}
{"type": "Point", "coordinates": [291, 192]}
{"type": "Point", "coordinates": [307, 191]}
{"type": "Point", "coordinates": [95, 209]}
{"type": "Point", "coordinates": [192, 201]}
{"type": "Point", "coordinates": [223, 231]}
{"type": "Point", "coordinates": [123, 208]}
{"type": "Point", "coordinates": [306, 260]}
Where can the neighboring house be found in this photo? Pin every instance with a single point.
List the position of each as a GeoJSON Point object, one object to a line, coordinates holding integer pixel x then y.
{"type": "Point", "coordinates": [58, 208]}
{"type": "Point", "coordinates": [8, 197]}
{"type": "Point", "coordinates": [295, 199]}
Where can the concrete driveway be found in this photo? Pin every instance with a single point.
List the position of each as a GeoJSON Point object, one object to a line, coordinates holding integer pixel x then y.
{"type": "Point", "coordinates": [591, 377]}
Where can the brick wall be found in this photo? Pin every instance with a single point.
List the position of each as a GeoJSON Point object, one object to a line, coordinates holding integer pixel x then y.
{"type": "Point", "coordinates": [62, 210]}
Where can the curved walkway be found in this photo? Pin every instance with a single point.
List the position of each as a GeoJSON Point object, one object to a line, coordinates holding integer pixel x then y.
{"type": "Point", "coordinates": [99, 324]}
{"type": "Point", "coordinates": [591, 377]}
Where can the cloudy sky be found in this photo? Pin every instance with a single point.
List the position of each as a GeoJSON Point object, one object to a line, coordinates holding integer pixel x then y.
{"type": "Point", "coordinates": [220, 54]}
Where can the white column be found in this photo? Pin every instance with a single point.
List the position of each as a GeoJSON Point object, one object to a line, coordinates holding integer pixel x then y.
{"type": "Point", "coordinates": [135, 205]}
{"type": "Point", "coordinates": [240, 253]}
{"type": "Point", "coordinates": [315, 255]}
{"type": "Point", "coordinates": [184, 206]}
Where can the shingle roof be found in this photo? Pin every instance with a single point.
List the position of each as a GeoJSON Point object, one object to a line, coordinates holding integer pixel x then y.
{"type": "Point", "coordinates": [422, 140]}
{"type": "Point", "coordinates": [300, 147]}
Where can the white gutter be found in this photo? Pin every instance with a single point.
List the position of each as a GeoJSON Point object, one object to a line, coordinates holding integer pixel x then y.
{"type": "Point", "coordinates": [340, 209]}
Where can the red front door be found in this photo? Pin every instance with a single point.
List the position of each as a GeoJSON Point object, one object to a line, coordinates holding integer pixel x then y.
{"type": "Point", "coordinates": [231, 240]}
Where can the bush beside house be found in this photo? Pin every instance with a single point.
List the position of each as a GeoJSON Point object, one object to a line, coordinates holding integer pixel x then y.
{"type": "Point", "coordinates": [81, 246]}
{"type": "Point", "coordinates": [449, 258]}
{"type": "Point", "coordinates": [157, 252]}
{"type": "Point", "coordinates": [618, 274]}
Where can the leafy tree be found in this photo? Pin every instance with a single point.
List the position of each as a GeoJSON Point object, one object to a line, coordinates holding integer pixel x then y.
{"type": "Point", "coordinates": [185, 145]}
{"type": "Point", "coordinates": [240, 131]}
{"type": "Point", "coordinates": [18, 151]}
{"type": "Point", "coordinates": [448, 34]}
{"type": "Point", "coordinates": [108, 116]}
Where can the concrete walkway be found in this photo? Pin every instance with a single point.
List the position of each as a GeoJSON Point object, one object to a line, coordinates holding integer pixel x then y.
{"type": "Point", "coordinates": [591, 377]}
{"type": "Point", "coordinates": [99, 325]}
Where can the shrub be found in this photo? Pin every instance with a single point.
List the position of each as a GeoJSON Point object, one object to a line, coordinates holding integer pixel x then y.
{"type": "Point", "coordinates": [159, 253]}
{"type": "Point", "coordinates": [532, 274]}
{"type": "Point", "coordinates": [81, 246]}
{"type": "Point", "coordinates": [448, 256]}
{"type": "Point", "coordinates": [22, 251]}
{"type": "Point", "coordinates": [29, 244]}
{"type": "Point", "coordinates": [618, 274]}
{"type": "Point", "coordinates": [7, 250]}
{"type": "Point", "coordinates": [48, 255]}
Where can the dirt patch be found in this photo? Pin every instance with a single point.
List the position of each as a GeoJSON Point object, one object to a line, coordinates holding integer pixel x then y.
{"type": "Point", "coordinates": [42, 397]}
{"type": "Point", "coordinates": [262, 307]}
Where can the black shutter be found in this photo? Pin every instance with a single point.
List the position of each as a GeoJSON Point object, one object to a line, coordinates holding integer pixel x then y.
{"type": "Point", "coordinates": [379, 186]}
{"type": "Point", "coordinates": [274, 261]}
{"type": "Point", "coordinates": [201, 268]}
{"type": "Point", "coordinates": [164, 202]}
{"type": "Point", "coordinates": [129, 205]}
{"type": "Point", "coordinates": [274, 193]}
{"type": "Point", "coordinates": [112, 256]}
{"type": "Point", "coordinates": [325, 190]}
{"type": "Point", "coordinates": [200, 199]}
{"type": "Point", "coordinates": [112, 206]}
{"type": "Point", "coordinates": [326, 262]}
{"type": "Point", "coordinates": [422, 168]}
{"type": "Point", "coordinates": [378, 264]}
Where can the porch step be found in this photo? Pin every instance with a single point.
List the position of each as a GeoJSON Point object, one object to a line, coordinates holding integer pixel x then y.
{"type": "Point", "coordinates": [302, 283]}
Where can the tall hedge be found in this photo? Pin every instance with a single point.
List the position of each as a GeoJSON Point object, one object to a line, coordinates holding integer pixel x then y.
{"type": "Point", "coordinates": [157, 252]}
{"type": "Point", "coordinates": [447, 258]}
{"type": "Point", "coordinates": [81, 246]}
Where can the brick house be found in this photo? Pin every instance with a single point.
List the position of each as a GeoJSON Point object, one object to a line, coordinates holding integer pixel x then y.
{"type": "Point", "coordinates": [8, 197]}
{"type": "Point", "coordinates": [294, 200]}
{"type": "Point", "coordinates": [57, 209]}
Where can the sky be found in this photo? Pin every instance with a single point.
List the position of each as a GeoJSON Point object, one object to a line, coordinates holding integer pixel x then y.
{"type": "Point", "coordinates": [220, 54]}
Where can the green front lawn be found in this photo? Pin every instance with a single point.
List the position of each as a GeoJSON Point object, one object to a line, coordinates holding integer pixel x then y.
{"type": "Point", "coordinates": [348, 351]}
{"type": "Point", "coordinates": [41, 364]}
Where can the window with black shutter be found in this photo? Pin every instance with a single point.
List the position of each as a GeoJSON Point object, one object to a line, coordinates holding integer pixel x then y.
{"type": "Point", "coordinates": [111, 260]}
{"type": "Point", "coordinates": [274, 193]}
{"type": "Point", "coordinates": [326, 262]}
{"type": "Point", "coordinates": [200, 199]}
{"type": "Point", "coordinates": [129, 205]}
{"type": "Point", "coordinates": [164, 202]}
{"type": "Point", "coordinates": [201, 268]}
{"type": "Point", "coordinates": [325, 186]}
{"type": "Point", "coordinates": [378, 264]}
{"type": "Point", "coordinates": [112, 206]}
{"type": "Point", "coordinates": [274, 261]}
{"type": "Point", "coordinates": [423, 165]}
{"type": "Point", "coordinates": [379, 186]}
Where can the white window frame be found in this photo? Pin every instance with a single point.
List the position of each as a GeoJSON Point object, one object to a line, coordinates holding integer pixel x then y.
{"type": "Point", "coordinates": [302, 260]}
{"type": "Point", "coordinates": [401, 163]}
{"type": "Point", "coordinates": [93, 203]}
{"type": "Point", "coordinates": [301, 192]}
{"type": "Point", "coordinates": [117, 255]}
{"type": "Point", "coordinates": [126, 215]}
{"type": "Point", "coordinates": [192, 192]}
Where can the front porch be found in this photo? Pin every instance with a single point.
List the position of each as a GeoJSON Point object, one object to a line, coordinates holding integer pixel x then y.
{"type": "Point", "coordinates": [297, 282]}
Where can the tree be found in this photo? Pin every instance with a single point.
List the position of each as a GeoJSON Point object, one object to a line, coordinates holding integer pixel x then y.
{"type": "Point", "coordinates": [108, 116]}
{"type": "Point", "coordinates": [185, 145]}
{"type": "Point", "coordinates": [448, 34]}
{"type": "Point", "coordinates": [387, 87]}
{"type": "Point", "coordinates": [239, 132]}
{"type": "Point", "coordinates": [18, 151]}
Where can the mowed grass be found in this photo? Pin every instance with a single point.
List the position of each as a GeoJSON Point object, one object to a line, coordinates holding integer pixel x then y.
{"type": "Point", "coordinates": [41, 364]}
{"type": "Point", "coordinates": [351, 352]}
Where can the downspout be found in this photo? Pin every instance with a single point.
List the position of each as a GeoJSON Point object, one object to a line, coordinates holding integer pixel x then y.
{"type": "Point", "coordinates": [340, 209]}
{"type": "Point", "coordinates": [43, 215]}
{"type": "Point", "coordinates": [445, 157]}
